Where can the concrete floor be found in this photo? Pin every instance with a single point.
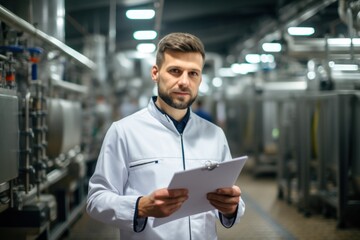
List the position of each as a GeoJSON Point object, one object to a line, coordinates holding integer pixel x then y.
{"type": "Point", "coordinates": [266, 217]}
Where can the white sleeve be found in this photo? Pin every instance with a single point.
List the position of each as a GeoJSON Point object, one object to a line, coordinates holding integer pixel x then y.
{"type": "Point", "coordinates": [106, 200]}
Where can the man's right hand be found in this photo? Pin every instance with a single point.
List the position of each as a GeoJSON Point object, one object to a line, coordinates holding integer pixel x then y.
{"type": "Point", "coordinates": [162, 202]}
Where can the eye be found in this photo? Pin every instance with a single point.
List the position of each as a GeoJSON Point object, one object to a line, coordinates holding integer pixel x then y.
{"type": "Point", "coordinates": [175, 71]}
{"type": "Point", "coordinates": [194, 74]}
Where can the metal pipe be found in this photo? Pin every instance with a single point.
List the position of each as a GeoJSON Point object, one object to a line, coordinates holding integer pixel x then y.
{"type": "Point", "coordinates": [351, 32]}
{"type": "Point", "coordinates": [320, 48]}
{"type": "Point", "coordinates": [342, 11]}
{"type": "Point", "coordinates": [52, 177]}
{"type": "Point", "coordinates": [69, 86]}
{"type": "Point", "coordinates": [159, 14]}
{"type": "Point", "coordinates": [112, 27]}
{"type": "Point", "coordinates": [38, 134]}
{"type": "Point", "coordinates": [270, 29]}
{"type": "Point", "coordinates": [3, 57]}
{"type": "Point", "coordinates": [28, 130]}
{"type": "Point", "coordinates": [20, 24]}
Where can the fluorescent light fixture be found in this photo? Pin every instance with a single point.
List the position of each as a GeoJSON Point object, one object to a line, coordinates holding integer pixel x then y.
{"type": "Point", "coordinates": [226, 72]}
{"type": "Point", "coordinates": [244, 68]}
{"type": "Point", "coordinates": [301, 31]}
{"type": "Point", "coordinates": [257, 58]}
{"type": "Point", "coordinates": [339, 41]}
{"type": "Point", "coordinates": [140, 14]}
{"type": "Point", "coordinates": [345, 67]}
{"type": "Point", "coordinates": [239, 68]}
{"type": "Point", "coordinates": [145, 35]}
{"type": "Point", "coordinates": [349, 76]}
{"type": "Point", "coordinates": [271, 47]}
{"type": "Point", "coordinates": [343, 41]}
{"type": "Point", "coordinates": [285, 86]}
{"type": "Point", "coordinates": [252, 58]}
{"type": "Point", "coordinates": [146, 47]}
{"type": "Point", "coordinates": [267, 58]}
{"type": "Point", "coordinates": [356, 41]}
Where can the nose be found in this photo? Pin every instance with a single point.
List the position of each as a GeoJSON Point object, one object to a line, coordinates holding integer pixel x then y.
{"type": "Point", "coordinates": [184, 79]}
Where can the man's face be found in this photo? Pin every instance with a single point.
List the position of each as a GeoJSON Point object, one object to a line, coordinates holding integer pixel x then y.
{"type": "Point", "coordinates": [179, 78]}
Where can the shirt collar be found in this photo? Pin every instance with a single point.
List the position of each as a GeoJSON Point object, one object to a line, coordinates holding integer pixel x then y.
{"type": "Point", "coordinates": [180, 125]}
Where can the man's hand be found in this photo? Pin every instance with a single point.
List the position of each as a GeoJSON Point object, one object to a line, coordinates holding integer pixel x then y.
{"type": "Point", "coordinates": [225, 200]}
{"type": "Point", "coordinates": [162, 202]}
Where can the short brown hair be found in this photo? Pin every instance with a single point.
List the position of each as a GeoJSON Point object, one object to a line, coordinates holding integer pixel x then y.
{"type": "Point", "coordinates": [181, 42]}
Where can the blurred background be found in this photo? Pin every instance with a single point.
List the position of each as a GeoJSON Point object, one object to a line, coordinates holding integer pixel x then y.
{"type": "Point", "coordinates": [281, 78]}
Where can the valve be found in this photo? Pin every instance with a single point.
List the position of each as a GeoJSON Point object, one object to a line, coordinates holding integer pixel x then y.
{"type": "Point", "coordinates": [10, 64]}
{"type": "Point", "coordinates": [35, 53]}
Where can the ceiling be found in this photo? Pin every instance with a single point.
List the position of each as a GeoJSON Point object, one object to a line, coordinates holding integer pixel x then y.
{"type": "Point", "coordinates": [227, 27]}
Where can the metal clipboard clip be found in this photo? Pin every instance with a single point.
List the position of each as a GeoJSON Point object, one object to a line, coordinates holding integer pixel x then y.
{"type": "Point", "coordinates": [210, 165]}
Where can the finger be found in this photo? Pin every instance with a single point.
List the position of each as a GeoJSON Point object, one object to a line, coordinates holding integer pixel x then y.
{"type": "Point", "coordinates": [165, 193]}
{"type": "Point", "coordinates": [224, 208]}
{"type": "Point", "coordinates": [176, 206]}
{"type": "Point", "coordinates": [232, 191]}
{"type": "Point", "coordinates": [177, 192]}
{"type": "Point", "coordinates": [175, 201]}
{"type": "Point", "coordinates": [221, 199]}
{"type": "Point", "coordinates": [171, 208]}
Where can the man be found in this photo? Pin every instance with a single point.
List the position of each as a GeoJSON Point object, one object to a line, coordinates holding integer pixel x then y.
{"type": "Point", "coordinates": [141, 152]}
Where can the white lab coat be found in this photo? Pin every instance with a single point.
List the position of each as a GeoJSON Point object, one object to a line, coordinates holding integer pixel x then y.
{"type": "Point", "coordinates": [140, 153]}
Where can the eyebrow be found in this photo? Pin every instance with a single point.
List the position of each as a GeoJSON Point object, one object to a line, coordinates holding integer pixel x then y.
{"type": "Point", "coordinates": [191, 69]}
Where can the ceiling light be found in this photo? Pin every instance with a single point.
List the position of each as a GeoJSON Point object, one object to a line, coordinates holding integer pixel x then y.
{"type": "Point", "coordinates": [226, 72]}
{"type": "Point", "coordinates": [311, 75]}
{"type": "Point", "coordinates": [343, 41]}
{"type": "Point", "coordinates": [267, 58]}
{"type": "Point", "coordinates": [257, 58]}
{"type": "Point", "coordinates": [301, 31]}
{"type": "Point", "coordinates": [244, 68]}
{"type": "Point", "coordinates": [345, 67]}
{"type": "Point", "coordinates": [271, 47]}
{"type": "Point", "coordinates": [146, 47]}
{"type": "Point", "coordinates": [339, 41]}
{"type": "Point", "coordinates": [145, 35]}
{"type": "Point", "coordinates": [140, 14]}
{"type": "Point", "coordinates": [285, 86]}
{"type": "Point", "coordinates": [252, 58]}
{"type": "Point", "coordinates": [217, 82]}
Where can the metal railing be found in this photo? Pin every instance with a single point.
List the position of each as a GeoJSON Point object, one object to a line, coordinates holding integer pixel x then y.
{"type": "Point", "coordinates": [20, 24]}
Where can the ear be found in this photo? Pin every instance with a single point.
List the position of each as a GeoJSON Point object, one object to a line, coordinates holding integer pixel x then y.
{"type": "Point", "coordinates": [155, 73]}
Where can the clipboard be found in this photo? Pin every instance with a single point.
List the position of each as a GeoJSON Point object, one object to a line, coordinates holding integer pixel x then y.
{"type": "Point", "coordinates": [199, 182]}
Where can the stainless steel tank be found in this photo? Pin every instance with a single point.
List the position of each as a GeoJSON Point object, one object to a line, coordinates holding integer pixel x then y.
{"type": "Point", "coordinates": [64, 124]}
{"type": "Point", "coordinates": [9, 135]}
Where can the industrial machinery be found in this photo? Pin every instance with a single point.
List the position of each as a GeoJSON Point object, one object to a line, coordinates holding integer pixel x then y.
{"type": "Point", "coordinates": [315, 148]}
{"type": "Point", "coordinates": [45, 125]}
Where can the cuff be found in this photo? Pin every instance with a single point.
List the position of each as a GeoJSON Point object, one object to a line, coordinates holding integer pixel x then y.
{"type": "Point", "coordinates": [228, 222]}
{"type": "Point", "coordinates": [139, 223]}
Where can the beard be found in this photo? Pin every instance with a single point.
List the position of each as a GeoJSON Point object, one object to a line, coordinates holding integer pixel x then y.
{"type": "Point", "coordinates": [177, 103]}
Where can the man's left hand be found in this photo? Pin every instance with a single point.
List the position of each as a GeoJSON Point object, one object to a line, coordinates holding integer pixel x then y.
{"type": "Point", "coordinates": [225, 200]}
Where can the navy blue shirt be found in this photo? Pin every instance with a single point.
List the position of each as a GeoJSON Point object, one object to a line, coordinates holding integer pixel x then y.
{"type": "Point", "coordinates": [180, 125]}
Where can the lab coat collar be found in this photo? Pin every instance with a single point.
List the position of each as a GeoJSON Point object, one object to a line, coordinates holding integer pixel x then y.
{"type": "Point", "coordinates": [164, 118]}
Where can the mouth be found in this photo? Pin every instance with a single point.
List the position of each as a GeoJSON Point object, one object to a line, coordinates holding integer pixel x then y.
{"type": "Point", "coordinates": [181, 93]}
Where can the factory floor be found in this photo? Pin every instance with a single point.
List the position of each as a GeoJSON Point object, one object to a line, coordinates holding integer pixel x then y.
{"type": "Point", "coordinates": [266, 217]}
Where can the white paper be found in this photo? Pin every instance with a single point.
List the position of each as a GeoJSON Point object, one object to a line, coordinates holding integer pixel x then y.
{"type": "Point", "coordinates": [199, 182]}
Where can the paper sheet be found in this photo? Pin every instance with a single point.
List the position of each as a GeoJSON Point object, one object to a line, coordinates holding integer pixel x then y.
{"type": "Point", "coordinates": [199, 182]}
